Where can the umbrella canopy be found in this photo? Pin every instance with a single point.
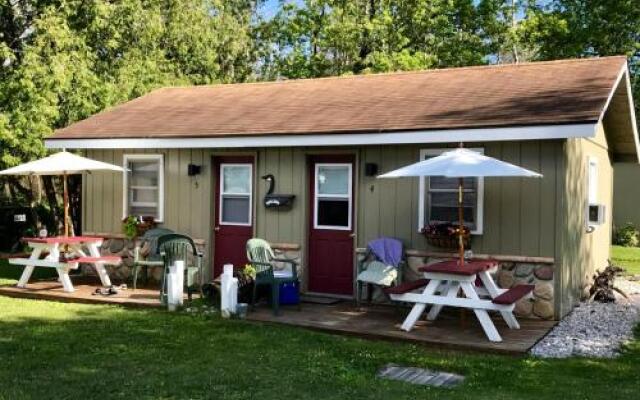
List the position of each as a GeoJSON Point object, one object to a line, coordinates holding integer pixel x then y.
{"type": "Point", "coordinates": [62, 163]}
{"type": "Point", "coordinates": [461, 163]}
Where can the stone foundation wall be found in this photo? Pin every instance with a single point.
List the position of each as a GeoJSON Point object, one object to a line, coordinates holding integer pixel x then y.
{"type": "Point", "coordinates": [519, 270]}
{"type": "Point", "coordinates": [290, 252]}
{"type": "Point", "coordinates": [118, 245]}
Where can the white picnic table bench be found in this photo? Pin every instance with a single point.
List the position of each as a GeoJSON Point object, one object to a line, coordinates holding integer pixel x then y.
{"type": "Point", "coordinates": [70, 245]}
{"type": "Point", "coordinates": [442, 285]}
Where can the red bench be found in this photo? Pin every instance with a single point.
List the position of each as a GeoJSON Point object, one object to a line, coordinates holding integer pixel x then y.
{"type": "Point", "coordinates": [514, 294]}
{"type": "Point", "coordinates": [406, 287]}
{"type": "Point", "coordinates": [110, 260]}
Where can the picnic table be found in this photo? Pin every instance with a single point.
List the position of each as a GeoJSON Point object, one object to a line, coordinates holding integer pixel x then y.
{"type": "Point", "coordinates": [444, 282]}
{"type": "Point", "coordinates": [71, 245]}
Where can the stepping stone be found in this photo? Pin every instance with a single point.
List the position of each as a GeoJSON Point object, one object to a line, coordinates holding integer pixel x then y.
{"type": "Point", "coordinates": [419, 376]}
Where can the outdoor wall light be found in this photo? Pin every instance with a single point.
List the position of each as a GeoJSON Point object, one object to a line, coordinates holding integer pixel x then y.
{"type": "Point", "coordinates": [193, 169]}
{"type": "Point", "coordinates": [371, 169]}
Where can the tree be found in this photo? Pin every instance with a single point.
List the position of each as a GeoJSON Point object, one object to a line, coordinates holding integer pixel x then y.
{"type": "Point", "coordinates": [329, 37]}
{"type": "Point", "coordinates": [578, 28]}
{"type": "Point", "coordinates": [64, 60]}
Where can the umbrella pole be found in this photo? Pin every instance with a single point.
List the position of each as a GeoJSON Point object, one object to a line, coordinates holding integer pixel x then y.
{"type": "Point", "coordinates": [65, 199]}
{"type": "Point", "coordinates": [461, 220]}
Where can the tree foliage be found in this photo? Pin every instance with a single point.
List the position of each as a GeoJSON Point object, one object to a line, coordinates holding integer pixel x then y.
{"type": "Point", "coordinates": [313, 38]}
{"type": "Point", "coordinates": [67, 59]}
{"type": "Point", "coordinates": [63, 60]}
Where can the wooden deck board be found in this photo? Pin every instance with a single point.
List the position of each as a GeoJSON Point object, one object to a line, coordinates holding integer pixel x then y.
{"type": "Point", "coordinates": [376, 322]}
{"type": "Point", "coordinates": [84, 288]}
{"type": "Point", "coordinates": [381, 322]}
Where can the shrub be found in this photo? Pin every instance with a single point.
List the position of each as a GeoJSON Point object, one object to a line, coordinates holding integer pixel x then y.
{"type": "Point", "coordinates": [627, 236]}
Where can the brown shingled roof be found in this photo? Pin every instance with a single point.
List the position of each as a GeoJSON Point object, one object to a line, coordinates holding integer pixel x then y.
{"type": "Point", "coordinates": [556, 92]}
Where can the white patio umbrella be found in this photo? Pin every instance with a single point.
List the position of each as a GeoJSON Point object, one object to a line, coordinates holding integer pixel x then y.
{"type": "Point", "coordinates": [62, 163]}
{"type": "Point", "coordinates": [461, 163]}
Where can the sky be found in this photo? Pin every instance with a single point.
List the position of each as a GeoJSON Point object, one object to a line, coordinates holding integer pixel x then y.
{"type": "Point", "coordinates": [270, 7]}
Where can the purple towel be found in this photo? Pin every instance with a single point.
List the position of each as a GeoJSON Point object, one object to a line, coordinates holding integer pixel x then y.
{"type": "Point", "coordinates": [387, 250]}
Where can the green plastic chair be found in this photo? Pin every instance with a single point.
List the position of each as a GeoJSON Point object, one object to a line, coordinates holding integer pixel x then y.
{"type": "Point", "coordinates": [176, 247]}
{"type": "Point", "coordinates": [261, 257]}
{"type": "Point", "coordinates": [153, 259]}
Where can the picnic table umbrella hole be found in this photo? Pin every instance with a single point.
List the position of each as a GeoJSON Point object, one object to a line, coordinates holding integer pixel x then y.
{"type": "Point", "coordinates": [461, 163]}
{"type": "Point", "coordinates": [62, 164]}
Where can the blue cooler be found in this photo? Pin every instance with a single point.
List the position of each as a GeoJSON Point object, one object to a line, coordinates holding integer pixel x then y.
{"type": "Point", "coordinates": [289, 293]}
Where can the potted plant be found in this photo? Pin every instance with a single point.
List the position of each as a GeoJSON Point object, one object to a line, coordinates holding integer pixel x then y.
{"type": "Point", "coordinates": [246, 276]}
{"type": "Point", "coordinates": [136, 226]}
{"type": "Point", "coordinates": [446, 235]}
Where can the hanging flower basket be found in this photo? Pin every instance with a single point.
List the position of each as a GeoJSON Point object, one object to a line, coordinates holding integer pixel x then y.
{"type": "Point", "coordinates": [445, 235]}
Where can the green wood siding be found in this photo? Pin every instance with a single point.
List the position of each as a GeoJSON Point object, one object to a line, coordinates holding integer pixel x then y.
{"type": "Point", "coordinates": [626, 206]}
{"type": "Point", "coordinates": [516, 210]}
{"type": "Point", "coordinates": [519, 214]}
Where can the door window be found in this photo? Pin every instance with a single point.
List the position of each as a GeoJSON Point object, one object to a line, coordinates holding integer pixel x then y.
{"type": "Point", "coordinates": [235, 194]}
{"type": "Point", "coordinates": [333, 196]}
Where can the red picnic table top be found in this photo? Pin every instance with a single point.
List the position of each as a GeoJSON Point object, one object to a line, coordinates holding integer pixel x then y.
{"type": "Point", "coordinates": [453, 267]}
{"type": "Point", "coordinates": [62, 239]}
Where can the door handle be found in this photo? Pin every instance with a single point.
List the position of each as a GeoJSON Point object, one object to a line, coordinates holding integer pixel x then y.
{"type": "Point", "coordinates": [352, 235]}
{"type": "Point", "coordinates": [217, 228]}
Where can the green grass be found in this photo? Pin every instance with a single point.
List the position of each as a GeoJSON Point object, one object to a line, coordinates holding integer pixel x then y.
{"type": "Point", "coordinates": [627, 258]}
{"type": "Point", "coordinates": [9, 274]}
{"type": "Point", "coordinates": [75, 351]}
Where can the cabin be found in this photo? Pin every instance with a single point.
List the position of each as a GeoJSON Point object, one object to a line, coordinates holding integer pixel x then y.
{"type": "Point", "coordinates": [295, 162]}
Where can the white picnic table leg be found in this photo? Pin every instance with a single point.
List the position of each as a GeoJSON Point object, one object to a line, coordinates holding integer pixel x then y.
{"type": "Point", "coordinates": [449, 290]}
{"type": "Point", "coordinates": [494, 292]}
{"type": "Point", "coordinates": [482, 315]}
{"type": "Point", "coordinates": [418, 308]}
{"type": "Point", "coordinates": [63, 273]}
{"type": "Point", "coordinates": [100, 268]}
{"type": "Point", "coordinates": [28, 270]}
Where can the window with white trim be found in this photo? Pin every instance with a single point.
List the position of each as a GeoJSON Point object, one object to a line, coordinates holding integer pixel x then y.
{"type": "Point", "coordinates": [333, 196]}
{"type": "Point", "coordinates": [438, 198]}
{"type": "Point", "coordinates": [144, 185]}
{"type": "Point", "coordinates": [235, 194]}
{"type": "Point", "coordinates": [592, 176]}
{"type": "Point", "coordinates": [595, 210]}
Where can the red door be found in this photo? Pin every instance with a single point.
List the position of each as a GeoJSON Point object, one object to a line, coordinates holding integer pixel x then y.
{"type": "Point", "coordinates": [233, 210]}
{"type": "Point", "coordinates": [331, 225]}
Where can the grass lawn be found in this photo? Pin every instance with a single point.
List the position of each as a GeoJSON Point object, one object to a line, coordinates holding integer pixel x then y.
{"type": "Point", "coordinates": [627, 258]}
{"type": "Point", "coordinates": [10, 274]}
{"type": "Point", "coordinates": [74, 351]}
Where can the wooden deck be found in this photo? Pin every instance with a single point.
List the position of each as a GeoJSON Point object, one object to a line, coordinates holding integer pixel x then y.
{"type": "Point", "coordinates": [84, 289]}
{"type": "Point", "coordinates": [450, 331]}
{"type": "Point", "coordinates": [376, 322]}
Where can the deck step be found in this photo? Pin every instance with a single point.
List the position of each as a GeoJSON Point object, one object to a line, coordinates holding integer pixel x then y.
{"type": "Point", "coordinates": [407, 287]}
{"type": "Point", "coordinates": [514, 294]}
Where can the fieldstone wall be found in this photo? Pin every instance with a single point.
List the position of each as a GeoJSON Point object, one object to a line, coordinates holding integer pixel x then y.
{"type": "Point", "coordinates": [289, 252]}
{"type": "Point", "coordinates": [510, 273]}
{"type": "Point", "coordinates": [124, 248]}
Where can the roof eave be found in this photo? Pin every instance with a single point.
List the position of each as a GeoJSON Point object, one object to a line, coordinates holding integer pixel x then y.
{"type": "Point", "coordinates": [584, 129]}
{"type": "Point", "coordinates": [625, 79]}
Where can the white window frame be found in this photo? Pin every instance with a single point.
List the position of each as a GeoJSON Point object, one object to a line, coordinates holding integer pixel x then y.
{"type": "Point", "coordinates": [422, 187]}
{"type": "Point", "coordinates": [125, 182]}
{"type": "Point", "coordinates": [223, 193]}
{"type": "Point", "coordinates": [592, 192]}
{"type": "Point", "coordinates": [317, 196]}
